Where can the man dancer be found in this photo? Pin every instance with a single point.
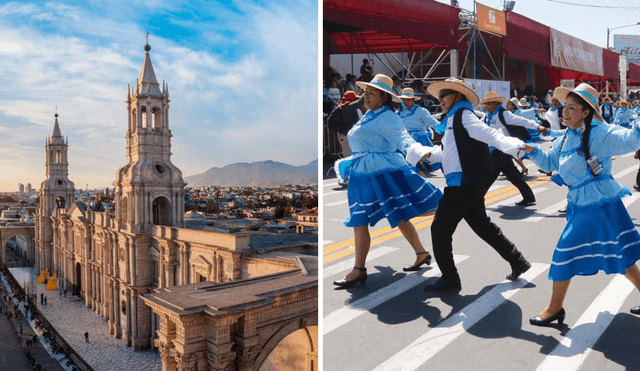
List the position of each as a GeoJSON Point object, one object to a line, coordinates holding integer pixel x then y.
{"type": "Point", "coordinates": [465, 162]}
{"type": "Point", "coordinates": [505, 121]}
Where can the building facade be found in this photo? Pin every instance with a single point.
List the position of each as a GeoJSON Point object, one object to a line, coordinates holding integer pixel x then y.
{"type": "Point", "coordinates": [112, 259]}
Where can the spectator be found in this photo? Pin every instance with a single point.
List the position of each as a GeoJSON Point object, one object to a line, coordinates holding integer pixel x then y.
{"type": "Point", "coordinates": [363, 68]}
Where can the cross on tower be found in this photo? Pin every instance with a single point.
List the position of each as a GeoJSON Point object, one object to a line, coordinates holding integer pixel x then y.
{"type": "Point", "coordinates": [147, 36]}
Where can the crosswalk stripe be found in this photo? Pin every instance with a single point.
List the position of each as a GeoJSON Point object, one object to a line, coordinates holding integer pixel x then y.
{"type": "Point", "coordinates": [553, 209]}
{"type": "Point", "coordinates": [577, 343]}
{"type": "Point", "coordinates": [630, 199]}
{"type": "Point", "coordinates": [355, 309]}
{"type": "Point", "coordinates": [326, 242]}
{"type": "Point", "coordinates": [349, 263]}
{"type": "Point", "coordinates": [428, 345]}
{"type": "Point", "coordinates": [625, 172]}
{"type": "Point", "coordinates": [512, 200]}
{"type": "Point", "coordinates": [341, 202]}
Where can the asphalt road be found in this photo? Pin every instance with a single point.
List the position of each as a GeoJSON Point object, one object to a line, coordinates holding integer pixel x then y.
{"type": "Point", "coordinates": [391, 323]}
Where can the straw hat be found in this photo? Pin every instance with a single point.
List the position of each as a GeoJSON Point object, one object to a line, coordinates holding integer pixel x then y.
{"type": "Point", "coordinates": [515, 102]}
{"type": "Point", "coordinates": [380, 82]}
{"type": "Point", "coordinates": [624, 103]}
{"type": "Point", "coordinates": [407, 93]}
{"type": "Point", "coordinates": [606, 100]}
{"type": "Point", "coordinates": [455, 85]}
{"type": "Point", "coordinates": [524, 103]}
{"type": "Point", "coordinates": [492, 96]}
{"type": "Point", "coordinates": [586, 92]}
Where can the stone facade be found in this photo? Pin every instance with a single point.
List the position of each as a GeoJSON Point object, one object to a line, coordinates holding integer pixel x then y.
{"type": "Point", "coordinates": [117, 260]}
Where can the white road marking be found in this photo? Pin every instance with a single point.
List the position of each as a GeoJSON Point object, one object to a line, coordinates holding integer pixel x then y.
{"type": "Point", "coordinates": [577, 343]}
{"type": "Point", "coordinates": [341, 202]}
{"type": "Point", "coordinates": [355, 309]}
{"type": "Point", "coordinates": [428, 345]}
{"type": "Point", "coordinates": [511, 201]}
{"type": "Point", "coordinates": [349, 263]}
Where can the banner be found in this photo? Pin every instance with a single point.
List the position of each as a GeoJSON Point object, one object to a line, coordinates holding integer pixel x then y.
{"type": "Point", "coordinates": [491, 20]}
{"type": "Point", "coordinates": [480, 87]}
{"type": "Point", "coordinates": [574, 54]}
{"type": "Point", "coordinates": [629, 46]}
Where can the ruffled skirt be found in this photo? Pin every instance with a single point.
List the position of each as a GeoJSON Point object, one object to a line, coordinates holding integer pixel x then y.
{"type": "Point", "coordinates": [598, 237]}
{"type": "Point", "coordinates": [397, 194]}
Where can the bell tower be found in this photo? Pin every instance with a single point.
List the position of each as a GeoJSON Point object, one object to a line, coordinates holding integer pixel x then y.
{"type": "Point", "coordinates": [149, 189]}
{"type": "Point", "coordinates": [56, 192]}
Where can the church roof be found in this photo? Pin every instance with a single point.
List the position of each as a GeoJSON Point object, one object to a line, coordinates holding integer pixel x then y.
{"type": "Point", "coordinates": [147, 81]}
{"type": "Point", "coordinates": [56, 137]}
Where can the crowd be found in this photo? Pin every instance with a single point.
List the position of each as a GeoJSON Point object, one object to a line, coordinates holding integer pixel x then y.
{"type": "Point", "coordinates": [392, 144]}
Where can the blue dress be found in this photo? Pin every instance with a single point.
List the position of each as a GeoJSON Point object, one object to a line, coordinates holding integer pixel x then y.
{"type": "Point", "coordinates": [381, 182]}
{"type": "Point", "coordinates": [416, 120]}
{"type": "Point", "coordinates": [599, 235]}
{"type": "Point", "coordinates": [624, 117]}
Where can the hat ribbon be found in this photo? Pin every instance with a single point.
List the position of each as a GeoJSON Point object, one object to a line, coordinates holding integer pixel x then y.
{"type": "Point", "coordinates": [593, 100]}
{"type": "Point", "coordinates": [381, 84]}
{"type": "Point", "coordinates": [443, 124]}
{"type": "Point", "coordinates": [492, 114]}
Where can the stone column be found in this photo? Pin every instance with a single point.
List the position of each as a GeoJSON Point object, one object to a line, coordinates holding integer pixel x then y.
{"type": "Point", "coordinates": [220, 353]}
{"type": "Point", "coordinates": [247, 342]}
{"type": "Point", "coordinates": [164, 342]}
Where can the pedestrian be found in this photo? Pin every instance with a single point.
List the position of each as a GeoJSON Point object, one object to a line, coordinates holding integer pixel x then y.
{"type": "Point", "coordinates": [381, 183]}
{"type": "Point", "coordinates": [599, 234]}
{"type": "Point", "coordinates": [510, 125]}
{"type": "Point", "coordinates": [41, 299]}
{"type": "Point", "coordinates": [60, 292]}
{"type": "Point", "coordinates": [465, 161]}
{"type": "Point", "coordinates": [45, 300]}
{"type": "Point", "coordinates": [86, 337]}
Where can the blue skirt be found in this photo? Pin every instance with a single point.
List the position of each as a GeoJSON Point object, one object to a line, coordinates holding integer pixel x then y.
{"type": "Point", "coordinates": [397, 194]}
{"type": "Point", "coordinates": [596, 238]}
{"type": "Point", "coordinates": [424, 138]}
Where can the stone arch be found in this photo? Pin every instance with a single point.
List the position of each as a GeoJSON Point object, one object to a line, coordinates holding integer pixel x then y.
{"type": "Point", "coordinates": [156, 118]}
{"type": "Point", "coordinates": [60, 202]}
{"type": "Point", "coordinates": [27, 233]}
{"type": "Point", "coordinates": [161, 211]}
{"type": "Point", "coordinates": [58, 157]}
{"type": "Point", "coordinates": [134, 119]}
{"type": "Point", "coordinates": [143, 116]}
{"type": "Point", "coordinates": [308, 325]}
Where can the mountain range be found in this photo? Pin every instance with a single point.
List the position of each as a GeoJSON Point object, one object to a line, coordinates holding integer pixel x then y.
{"type": "Point", "coordinates": [263, 173]}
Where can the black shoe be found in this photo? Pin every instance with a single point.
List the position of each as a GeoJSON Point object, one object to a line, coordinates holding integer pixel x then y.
{"type": "Point", "coordinates": [563, 210]}
{"type": "Point", "coordinates": [444, 285]}
{"type": "Point", "coordinates": [636, 187]}
{"type": "Point", "coordinates": [348, 283]}
{"type": "Point", "coordinates": [415, 267]}
{"type": "Point", "coordinates": [544, 172]}
{"type": "Point", "coordinates": [635, 310]}
{"type": "Point", "coordinates": [526, 202]}
{"type": "Point", "coordinates": [518, 271]}
{"type": "Point", "coordinates": [537, 321]}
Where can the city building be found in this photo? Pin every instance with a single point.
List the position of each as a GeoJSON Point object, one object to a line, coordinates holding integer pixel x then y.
{"type": "Point", "coordinates": [205, 300]}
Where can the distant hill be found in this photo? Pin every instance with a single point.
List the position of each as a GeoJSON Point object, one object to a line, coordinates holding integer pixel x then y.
{"type": "Point", "coordinates": [265, 173]}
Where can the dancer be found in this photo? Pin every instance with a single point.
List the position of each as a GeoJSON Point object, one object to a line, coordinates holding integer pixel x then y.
{"type": "Point", "coordinates": [508, 124]}
{"type": "Point", "coordinates": [599, 235]}
{"type": "Point", "coordinates": [382, 185]}
{"type": "Point", "coordinates": [466, 161]}
{"type": "Point", "coordinates": [416, 120]}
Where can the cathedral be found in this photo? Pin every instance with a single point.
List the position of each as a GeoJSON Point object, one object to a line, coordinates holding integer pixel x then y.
{"type": "Point", "coordinates": [121, 262]}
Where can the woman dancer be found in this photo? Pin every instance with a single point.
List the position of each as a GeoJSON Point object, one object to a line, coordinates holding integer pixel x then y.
{"type": "Point", "coordinates": [381, 183]}
{"type": "Point", "coordinates": [599, 234]}
{"type": "Point", "coordinates": [416, 120]}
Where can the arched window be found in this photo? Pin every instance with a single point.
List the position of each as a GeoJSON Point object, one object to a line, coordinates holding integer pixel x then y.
{"type": "Point", "coordinates": [60, 202]}
{"type": "Point", "coordinates": [161, 211]}
{"type": "Point", "coordinates": [143, 111]}
{"type": "Point", "coordinates": [58, 157]}
{"type": "Point", "coordinates": [155, 115]}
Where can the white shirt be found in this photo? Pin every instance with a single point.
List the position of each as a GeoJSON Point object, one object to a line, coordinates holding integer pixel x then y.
{"type": "Point", "coordinates": [477, 130]}
{"type": "Point", "coordinates": [511, 119]}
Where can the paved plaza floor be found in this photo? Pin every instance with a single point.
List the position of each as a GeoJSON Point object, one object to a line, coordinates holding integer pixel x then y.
{"type": "Point", "coordinates": [72, 319]}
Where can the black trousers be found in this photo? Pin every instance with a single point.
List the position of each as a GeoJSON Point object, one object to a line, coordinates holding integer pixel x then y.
{"type": "Point", "coordinates": [467, 203]}
{"type": "Point", "coordinates": [504, 163]}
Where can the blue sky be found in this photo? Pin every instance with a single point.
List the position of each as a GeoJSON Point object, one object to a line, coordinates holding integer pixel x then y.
{"type": "Point", "coordinates": [242, 76]}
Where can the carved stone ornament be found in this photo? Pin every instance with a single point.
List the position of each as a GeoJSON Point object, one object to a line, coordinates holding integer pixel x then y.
{"type": "Point", "coordinates": [121, 254]}
{"type": "Point", "coordinates": [247, 355]}
{"type": "Point", "coordinates": [220, 362]}
{"type": "Point", "coordinates": [186, 363]}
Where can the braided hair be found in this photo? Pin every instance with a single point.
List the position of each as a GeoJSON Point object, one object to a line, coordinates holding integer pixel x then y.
{"type": "Point", "coordinates": [587, 127]}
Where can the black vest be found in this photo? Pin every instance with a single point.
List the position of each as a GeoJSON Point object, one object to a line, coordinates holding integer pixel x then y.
{"type": "Point", "coordinates": [475, 158]}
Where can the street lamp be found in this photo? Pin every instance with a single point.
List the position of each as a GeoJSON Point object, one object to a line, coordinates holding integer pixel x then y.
{"type": "Point", "coordinates": [609, 30]}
